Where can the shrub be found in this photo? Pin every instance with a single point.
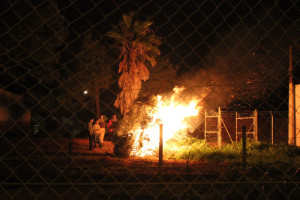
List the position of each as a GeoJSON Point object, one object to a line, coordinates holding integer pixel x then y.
{"type": "Point", "coordinates": [135, 119]}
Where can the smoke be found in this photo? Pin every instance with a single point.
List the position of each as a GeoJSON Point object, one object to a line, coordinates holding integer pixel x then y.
{"type": "Point", "coordinates": [229, 83]}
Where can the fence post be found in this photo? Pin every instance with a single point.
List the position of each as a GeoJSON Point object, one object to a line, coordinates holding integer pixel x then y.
{"type": "Point", "coordinates": [160, 148]}
{"type": "Point", "coordinates": [219, 128]}
{"type": "Point", "coordinates": [272, 128]}
{"type": "Point", "coordinates": [244, 148]}
{"type": "Point", "coordinates": [255, 125]}
{"type": "Point", "coordinates": [205, 125]}
{"type": "Point", "coordinates": [236, 128]}
{"type": "Point", "coordinates": [291, 133]}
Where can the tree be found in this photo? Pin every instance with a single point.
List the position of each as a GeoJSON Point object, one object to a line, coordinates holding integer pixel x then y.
{"type": "Point", "coordinates": [35, 36]}
{"type": "Point", "coordinates": [138, 47]}
{"type": "Point", "coordinates": [92, 73]}
{"type": "Point", "coordinates": [31, 49]}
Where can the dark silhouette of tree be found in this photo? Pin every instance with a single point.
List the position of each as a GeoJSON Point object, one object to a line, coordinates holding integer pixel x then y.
{"type": "Point", "coordinates": [91, 73]}
{"type": "Point", "coordinates": [96, 71]}
{"type": "Point", "coordinates": [30, 51]}
{"type": "Point", "coordinates": [138, 46]}
{"type": "Point", "coordinates": [38, 30]}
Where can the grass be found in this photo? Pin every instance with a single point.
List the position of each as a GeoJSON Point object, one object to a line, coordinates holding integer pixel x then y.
{"type": "Point", "coordinates": [257, 152]}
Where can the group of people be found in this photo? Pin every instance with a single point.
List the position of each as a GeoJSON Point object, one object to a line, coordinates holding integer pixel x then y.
{"type": "Point", "coordinates": [97, 130]}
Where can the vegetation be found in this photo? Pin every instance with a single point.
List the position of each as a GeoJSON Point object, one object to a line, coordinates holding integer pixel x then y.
{"type": "Point", "coordinates": [92, 72]}
{"type": "Point", "coordinates": [138, 47]}
{"type": "Point", "coordinates": [136, 118]}
{"type": "Point", "coordinates": [257, 152]}
{"type": "Point", "coordinates": [33, 53]}
{"type": "Point", "coordinates": [197, 149]}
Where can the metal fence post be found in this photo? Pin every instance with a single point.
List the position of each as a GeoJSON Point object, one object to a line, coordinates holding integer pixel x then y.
{"type": "Point", "coordinates": [291, 133]}
{"type": "Point", "coordinates": [244, 148]}
{"type": "Point", "coordinates": [255, 125]}
{"type": "Point", "coordinates": [219, 128]}
{"type": "Point", "coordinates": [205, 125]}
{"type": "Point", "coordinates": [160, 148]}
{"type": "Point", "coordinates": [272, 128]}
{"type": "Point", "coordinates": [236, 128]}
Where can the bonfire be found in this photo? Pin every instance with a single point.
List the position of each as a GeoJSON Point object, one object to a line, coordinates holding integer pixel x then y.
{"type": "Point", "coordinates": [175, 113]}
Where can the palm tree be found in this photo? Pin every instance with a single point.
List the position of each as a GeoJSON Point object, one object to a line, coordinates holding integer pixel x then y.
{"type": "Point", "coordinates": [138, 47]}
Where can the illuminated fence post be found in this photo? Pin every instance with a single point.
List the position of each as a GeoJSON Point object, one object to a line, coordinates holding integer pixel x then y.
{"type": "Point", "coordinates": [291, 133]}
{"type": "Point", "coordinates": [219, 128]}
{"type": "Point", "coordinates": [205, 126]}
{"type": "Point", "coordinates": [236, 127]}
{"type": "Point", "coordinates": [160, 148]}
{"type": "Point", "coordinates": [272, 127]}
{"type": "Point", "coordinates": [255, 127]}
{"type": "Point", "coordinates": [244, 148]}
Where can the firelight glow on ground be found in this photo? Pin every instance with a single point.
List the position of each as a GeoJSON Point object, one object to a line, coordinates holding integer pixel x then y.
{"type": "Point", "coordinates": [174, 113]}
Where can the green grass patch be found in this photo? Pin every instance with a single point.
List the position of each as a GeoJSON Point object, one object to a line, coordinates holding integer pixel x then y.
{"type": "Point", "coordinates": [256, 152]}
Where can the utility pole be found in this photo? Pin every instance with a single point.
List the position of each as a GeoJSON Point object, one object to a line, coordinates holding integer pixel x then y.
{"type": "Point", "coordinates": [291, 137]}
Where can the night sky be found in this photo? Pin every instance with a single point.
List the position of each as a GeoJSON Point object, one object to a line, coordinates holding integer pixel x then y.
{"type": "Point", "coordinates": [190, 30]}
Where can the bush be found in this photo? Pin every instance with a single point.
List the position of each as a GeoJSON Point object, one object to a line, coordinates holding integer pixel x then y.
{"type": "Point", "coordinates": [123, 146]}
{"type": "Point", "coordinates": [136, 119]}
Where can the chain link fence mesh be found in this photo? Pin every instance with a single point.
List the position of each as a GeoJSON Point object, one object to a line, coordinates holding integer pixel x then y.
{"type": "Point", "coordinates": [59, 69]}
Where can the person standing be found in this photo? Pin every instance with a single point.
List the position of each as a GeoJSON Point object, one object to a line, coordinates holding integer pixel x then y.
{"type": "Point", "coordinates": [102, 128]}
{"type": "Point", "coordinates": [96, 130]}
{"type": "Point", "coordinates": [91, 134]}
{"type": "Point", "coordinates": [111, 127]}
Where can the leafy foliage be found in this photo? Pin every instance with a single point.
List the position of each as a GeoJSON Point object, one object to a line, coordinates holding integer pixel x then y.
{"type": "Point", "coordinates": [138, 47]}
{"type": "Point", "coordinates": [136, 118]}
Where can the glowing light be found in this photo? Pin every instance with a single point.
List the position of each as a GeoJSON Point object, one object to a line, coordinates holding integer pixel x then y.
{"type": "Point", "coordinates": [174, 112]}
{"type": "Point", "coordinates": [85, 92]}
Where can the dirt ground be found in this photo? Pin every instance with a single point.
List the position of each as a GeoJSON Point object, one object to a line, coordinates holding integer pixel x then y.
{"type": "Point", "coordinates": [82, 146]}
{"type": "Point", "coordinates": [44, 168]}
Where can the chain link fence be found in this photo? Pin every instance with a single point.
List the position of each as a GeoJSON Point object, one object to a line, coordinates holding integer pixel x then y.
{"type": "Point", "coordinates": [59, 69]}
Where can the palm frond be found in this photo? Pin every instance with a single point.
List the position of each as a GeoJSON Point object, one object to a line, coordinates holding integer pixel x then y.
{"type": "Point", "coordinates": [127, 19]}
{"type": "Point", "coordinates": [115, 35]}
{"type": "Point", "coordinates": [151, 59]}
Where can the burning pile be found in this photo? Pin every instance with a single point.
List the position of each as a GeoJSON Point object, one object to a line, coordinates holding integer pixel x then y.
{"type": "Point", "coordinates": [175, 113]}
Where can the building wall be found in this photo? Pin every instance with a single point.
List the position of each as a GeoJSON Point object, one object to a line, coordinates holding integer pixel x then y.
{"type": "Point", "coordinates": [4, 114]}
{"type": "Point", "coordinates": [13, 112]}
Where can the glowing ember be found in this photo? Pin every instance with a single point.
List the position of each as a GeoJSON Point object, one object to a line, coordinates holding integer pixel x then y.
{"type": "Point", "coordinates": [173, 113]}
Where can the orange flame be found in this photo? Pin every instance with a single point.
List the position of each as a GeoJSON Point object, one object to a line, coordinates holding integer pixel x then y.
{"type": "Point", "coordinates": [173, 113]}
